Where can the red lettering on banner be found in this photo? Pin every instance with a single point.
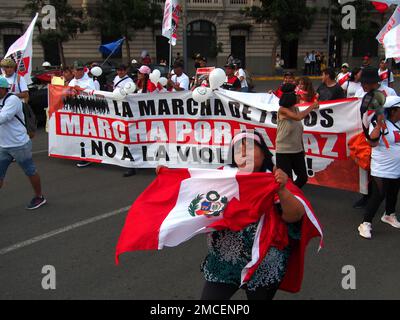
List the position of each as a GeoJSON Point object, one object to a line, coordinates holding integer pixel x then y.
{"type": "Point", "coordinates": [325, 145]}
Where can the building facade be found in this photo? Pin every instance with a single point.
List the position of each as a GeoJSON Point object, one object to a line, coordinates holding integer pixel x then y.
{"type": "Point", "coordinates": [215, 29]}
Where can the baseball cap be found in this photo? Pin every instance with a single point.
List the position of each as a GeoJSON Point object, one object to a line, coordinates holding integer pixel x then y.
{"type": "Point", "coordinates": [8, 63]}
{"type": "Point", "coordinates": [4, 83]}
{"type": "Point", "coordinates": [144, 70]}
{"type": "Point", "coordinates": [78, 65]}
{"type": "Point", "coordinates": [345, 65]}
{"type": "Point", "coordinates": [392, 102]}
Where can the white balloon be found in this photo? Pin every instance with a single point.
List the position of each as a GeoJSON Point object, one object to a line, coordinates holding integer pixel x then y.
{"type": "Point", "coordinates": [129, 87]}
{"type": "Point", "coordinates": [119, 94]}
{"type": "Point", "coordinates": [155, 76]}
{"type": "Point", "coordinates": [201, 94]}
{"type": "Point", "coordinates": [96, 71]}
{"type": "Point", "coordinates": [163, 81]}
{"type": "Point", "coordinates": [217, 78]}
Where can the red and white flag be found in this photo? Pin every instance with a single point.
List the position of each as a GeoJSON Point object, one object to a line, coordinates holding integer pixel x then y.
{"type": "Point", "coordinates": [172, 12]}
{"type": "Point", "coordinates": [383, 5]}
{"type": "Point", "coordinates": [21, 52]}
{"type": "Point", "coordinates": [391, 43]}
{"type": "Point", "coordinates": [182, 203]}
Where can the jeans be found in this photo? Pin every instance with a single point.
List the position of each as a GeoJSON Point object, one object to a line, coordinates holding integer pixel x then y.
{"type": "Point", "coordinates": [22, 155]}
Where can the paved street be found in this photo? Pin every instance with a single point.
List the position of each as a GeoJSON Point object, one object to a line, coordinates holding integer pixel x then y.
{"type": "Point", "coordinates": [97, 196]}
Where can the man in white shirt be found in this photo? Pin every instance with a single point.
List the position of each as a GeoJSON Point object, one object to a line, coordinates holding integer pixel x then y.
{"type": "Point", "coordinates": [80, 80]}
{"type": "Point", "coordinates": [15, 142]}
{"type": "Point", "coordinates": [122, 77]}
{"type": "Point", "coordinates": [17, 84]}
{"type": "Point", "coordinates": [241, 76]}
{"type": "Point", "coordinates": [370, 80]}
{"type": "Point", "coordinates": [179, 81]}
{"type": "Point", "coordinates": [386, 75]}
{"type": "Point", "coordinates": [343, 77]}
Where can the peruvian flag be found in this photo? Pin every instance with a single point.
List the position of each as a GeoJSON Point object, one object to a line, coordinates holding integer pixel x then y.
{"type": "Point", "coordinates": [343, 78]}
{"type": "Point", "coordinates": [172, 12]}
{"type": "Point", "coordinates": [182, 203]}
{"type": "Point", "coordinates": [21, 52]}
{"type": "Point", "coordinates": [391, 43]}
{"type": "Point", "coordinates": [383, 5]}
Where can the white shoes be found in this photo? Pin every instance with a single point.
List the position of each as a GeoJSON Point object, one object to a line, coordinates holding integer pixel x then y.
{"type": "Point", "coordinates": [365, 230]}
{"type": "Point", "coordinates": [392, 220]}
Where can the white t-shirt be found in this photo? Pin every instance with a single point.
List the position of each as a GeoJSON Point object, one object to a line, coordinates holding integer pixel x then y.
{"type": "Point", "coordinates": [120, 83]}
{"type": "Point", "coordinates": [96, 85]}
{"type": "Point", "coordinates": [342, 79]}
{"type": "Point", "coordinates": [183, 81]}
{"type": "Point", "coordinates": [385, 76]}
{"type": "Point", "coordinates": [351, 88]}
{"type": "Point", "coordinates": [83, 83]}
{"type": "Point", "coordinates": [385, 162]}
{"type": "Point", "coordinates": [14, 87]}
{"type": "Point", "coordinates": [241, 73]}
{"type": "Point", "coordinates": [12, 132]}
{"type": "Point", "coordinates": [360, 93]}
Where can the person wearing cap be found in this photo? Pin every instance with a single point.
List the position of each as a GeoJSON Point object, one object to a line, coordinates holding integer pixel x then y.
{"type": "Point", "coordinates": [366, 62]}
{"type": "Point", "coordinates": [15, 142]}
{"type": "Point", "coordinates": [386, 75]}
{"type": "Point", "coordinates": [370, 80]}
{"type": "Point", "coordinates": [122, 77]}
{"type": "Point", "coordinates": [143, 84]}
{"type": "Point", "coordinates": [17, 84]}
{"type": "Point", "coordinates": [81, 80]}
{"type": "Point", "coordinates": [179, 81]}
{"type": "Point", "coordinates": [329, 89]}
{"type": "Point", "coordinates": [343, 76]}
{"type": "Point", "coordinates": [232, 82]}
{"type": "Point", "coordinates": [241, 75]}
{"type": "Point", "coordinates": [385, 167]}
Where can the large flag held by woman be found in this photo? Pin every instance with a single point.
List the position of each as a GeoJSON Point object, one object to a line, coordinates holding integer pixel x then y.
{"type": "Point", "coordinates": [182, 203]}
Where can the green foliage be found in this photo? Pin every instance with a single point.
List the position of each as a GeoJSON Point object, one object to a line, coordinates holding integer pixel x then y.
{"type": "Point", "coordinates": [288, 17]}
{"type": "Point", "coordinates": [194, 205]}
{"type": "Point", "coordinates": [117, 18]}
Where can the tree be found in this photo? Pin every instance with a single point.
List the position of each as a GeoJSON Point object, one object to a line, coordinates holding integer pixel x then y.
{"type": "Point", "coordinates": [69, 22]}
{"type": "Point", "coordinates": [364, 23]}
{"type": "Point", "coordinates": [121, 18]}
{"type": "Point", "coordinates": [288, 19]}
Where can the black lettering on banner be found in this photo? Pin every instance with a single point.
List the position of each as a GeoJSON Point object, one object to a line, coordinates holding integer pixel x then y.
{"type": "Point", "coordinates": [190, 110]}
{"type": "Point", "coordinates": [97, 148]}
{"type": "Point", "coordinates": [127, 155]}
{"type": "Point", "coordinates": [117, 113]}
{"type": "Point", "coordinates": [263, 116]}
{"type": "Point", "coordinates": [246, 112]}
{"type": "Point", "coordinates": [311, 120]}
{"type": "Point", "coordinates": [126, 110]}
{"type": "Point", "coordinates": [110, 149]}
{"type": "Point", "coordinates": [310, 170]}
{"type": "Point", "coordinates": [177, 107]}
{"type": "Point", "coordinates": [219, 109]}
{"type": "Point", "coordinates": [83, 153]}
{"type": "Point", "coordinates": [162, 154]}
{"type": "Point", "coordinates": [147, 108]}
{"type": "Point", "coordinates": [234, 107]}
{"type": "Point", "coordinates": [183, 156]}
{"type": "Point", "coordinates": [328, 120]}
{"type": "Point", "coordinates": [144, 152]}
{"type": "Point", "coordinates": [163, 108]}
{"type": "Point", "coordinates": [206, 108]}
{"type": "Point", "coordinates": [206, 155]}
{"type": "Point", "coordinates": [274, 119]}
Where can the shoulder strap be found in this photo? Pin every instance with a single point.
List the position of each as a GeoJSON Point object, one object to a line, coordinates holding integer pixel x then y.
{"type": "Point", "coordinates": [395, 125]}
{"type": "Point", "coordinates": [5, 98]}
{"type": "Point", "coordinates": [120, 81]}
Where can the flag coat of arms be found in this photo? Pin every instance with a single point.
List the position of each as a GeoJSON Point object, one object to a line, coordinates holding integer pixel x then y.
{"type": "Point", "coordinates": [182, 203]}
{"type": "Point", "coordinates": [21, 52]}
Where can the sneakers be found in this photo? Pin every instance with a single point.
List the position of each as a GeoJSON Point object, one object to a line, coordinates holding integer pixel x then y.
{"type": "Point", "coordinates": [83, 164]}
{"type": "Point", "coordinates": [365, 230]}
{"type": "Point", "coordinates": [392, 220]}
{"type": "Point", "coordinates": [36, 203]}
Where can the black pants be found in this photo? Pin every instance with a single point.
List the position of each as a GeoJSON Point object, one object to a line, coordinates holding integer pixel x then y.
{"type": "Point", "coordinates": [382, 188]}
{"type": "Point", "coordinates": [289, 162]}
{"type": "Point", "coordinates": [220, 291]}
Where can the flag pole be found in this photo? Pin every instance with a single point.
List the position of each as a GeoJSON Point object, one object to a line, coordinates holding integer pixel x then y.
{"type": "Point", "coordinates": [115, 49]}
{"type": "Point", "coordinates": [170, 55]}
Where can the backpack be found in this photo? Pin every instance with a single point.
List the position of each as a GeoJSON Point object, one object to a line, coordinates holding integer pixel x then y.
{"type": "Point", "coordinates": [30, 122]}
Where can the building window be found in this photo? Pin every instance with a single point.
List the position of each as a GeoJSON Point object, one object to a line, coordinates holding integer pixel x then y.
{"type": "Point", "coordinates": [202, 38]}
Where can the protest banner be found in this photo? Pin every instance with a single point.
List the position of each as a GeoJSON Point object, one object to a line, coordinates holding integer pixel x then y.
{"type": "Point", "coordinates": [171, 129]}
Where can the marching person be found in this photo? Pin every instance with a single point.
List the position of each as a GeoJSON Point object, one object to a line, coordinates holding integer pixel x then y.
{"type": "Point", "coordinates": [143, 84]}
{"type": "Point", "coordinates": [386, 75]}
{"type": "Point", "coordinates": [122, 77]}
{"type": "Point", "coordinates": [67, 75]}
{"type": "Point", "coordinates": [385, 167]}
{"type": "Point", "coordinates": [232, 82]}
{"type": "Point", "coordinates": [241, 75]}
{"type": "Point", "coordinates": [290, 156]}
{"type": "Point", "coordinates": [370, 80]}
{"type": "Point", "coordinates": [15, 142]}
{"type": "Point", "coordinates": [329, 89]}
{"type": "Point", "coordinates": [17, 84]}
{"type": "Point", "coordinates": [343, 76]}
{"type": "Point", "coordinates": [288, 77]}
{"type": "Point", "coordinates": [353, 84]}
{"type": "Point", "coordinates": [305, 91]}
{"type": "Point", "coordinates": [179, 81]}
